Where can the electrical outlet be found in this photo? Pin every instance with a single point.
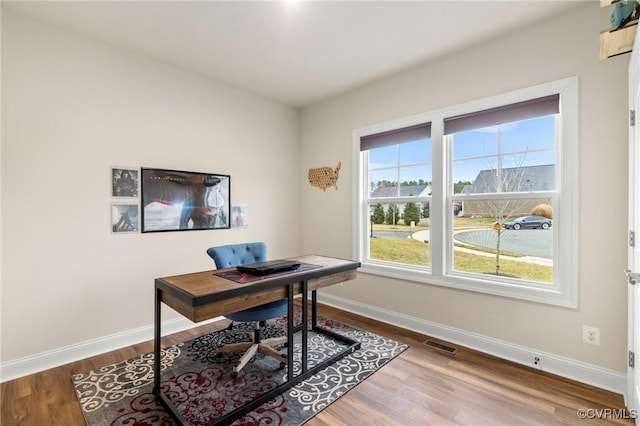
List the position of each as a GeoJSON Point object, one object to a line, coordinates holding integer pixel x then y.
{"type": "Point", "coordinates": [591, 335]}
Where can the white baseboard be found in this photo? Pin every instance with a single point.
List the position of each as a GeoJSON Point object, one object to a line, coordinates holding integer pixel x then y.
{"type": "Point", "coordinates": [576, 370]}
{"type": "Point", "coordinates": [43, 361]}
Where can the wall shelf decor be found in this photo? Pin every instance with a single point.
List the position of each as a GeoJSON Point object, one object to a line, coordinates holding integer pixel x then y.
{"type": "Point", "coordinates": [618, 39]}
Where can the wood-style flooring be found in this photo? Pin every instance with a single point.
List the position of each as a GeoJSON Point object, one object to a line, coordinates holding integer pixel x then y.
{"type": "Point", "coordinates": [422, 386]}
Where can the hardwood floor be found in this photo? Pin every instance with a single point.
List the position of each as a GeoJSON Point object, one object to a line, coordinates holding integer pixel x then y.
{"type": "Point", "coordinates": [422, 386]}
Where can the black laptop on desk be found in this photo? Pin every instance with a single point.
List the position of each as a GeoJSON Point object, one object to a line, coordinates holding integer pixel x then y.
{"type": "Point", "coordinates": [270, 267]}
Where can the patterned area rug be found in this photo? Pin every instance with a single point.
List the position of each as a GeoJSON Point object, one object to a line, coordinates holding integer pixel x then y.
{"type": "Point", "coordinates": [198, 380]}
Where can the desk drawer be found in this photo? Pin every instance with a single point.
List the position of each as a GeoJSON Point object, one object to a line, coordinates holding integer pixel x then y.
{"type": "Point", "coordinates": [317, 283]}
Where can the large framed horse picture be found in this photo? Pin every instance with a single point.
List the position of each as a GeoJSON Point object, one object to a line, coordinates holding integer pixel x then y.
{"type": "Point", "coordinates": [174, 200]}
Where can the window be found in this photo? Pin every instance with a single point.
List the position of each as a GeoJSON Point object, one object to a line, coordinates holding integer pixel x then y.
{"type": "Point", "coordinates": [480, 196]}
{"type": "Point", "coordinates": [398, 193]}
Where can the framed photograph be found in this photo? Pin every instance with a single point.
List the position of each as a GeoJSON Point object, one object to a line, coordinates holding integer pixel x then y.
{"type": "Point", "coordinates": [175, 200]}
{"type": "Point", "coordinates": [124, 217]}
{"type": "Point", "coordinates": [240, 216]}
{"type": "Point", "coordinates": [124, 182]}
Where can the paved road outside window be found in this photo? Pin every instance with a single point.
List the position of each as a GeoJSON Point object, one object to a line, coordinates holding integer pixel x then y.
{"type": "Point", "coordinates": [529, 242]}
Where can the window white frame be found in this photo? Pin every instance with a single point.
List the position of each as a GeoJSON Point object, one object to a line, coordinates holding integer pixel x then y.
{"type": "Point", "coordinates": [564, 289]}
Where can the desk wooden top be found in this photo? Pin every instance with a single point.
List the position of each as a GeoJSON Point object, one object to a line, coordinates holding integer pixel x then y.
{"type": "Point", "coordinates": [203, 295]}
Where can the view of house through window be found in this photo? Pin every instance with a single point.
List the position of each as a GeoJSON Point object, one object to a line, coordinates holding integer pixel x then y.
{"type": "Point", "coordinates": [502, 199]}
{"type": "Point", "coordinates": [399, 176]}
{"type": "Point", "coordinates": [471, 200]}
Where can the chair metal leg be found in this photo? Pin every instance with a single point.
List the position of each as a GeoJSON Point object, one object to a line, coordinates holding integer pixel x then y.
{"type": "Point", "coordinates": [252, 348]}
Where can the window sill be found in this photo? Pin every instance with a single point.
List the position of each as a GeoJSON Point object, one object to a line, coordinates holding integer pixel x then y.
{"type": "Point", "coordinates": [524, 291]}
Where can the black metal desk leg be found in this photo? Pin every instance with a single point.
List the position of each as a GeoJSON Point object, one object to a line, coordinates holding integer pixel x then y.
{"type": "Point", "coordinates": [290, 330]}
{"type": "Point", "coordinates": [305, 327]}
{"type": "Point", "coordinates": [314, 309]}
{"type": "Point", "coordinates": [156, 344]}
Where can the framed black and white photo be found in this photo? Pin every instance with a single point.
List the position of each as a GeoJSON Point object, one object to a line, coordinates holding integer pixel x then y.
{"type": "Point", "coordinates": [175, 200]}
{"type": "Point", "coordinates": [240, 216]}
{"type": "Point", "coordinates": [124, 182]}
{"type": "Point", "coordinates": [124, 217]}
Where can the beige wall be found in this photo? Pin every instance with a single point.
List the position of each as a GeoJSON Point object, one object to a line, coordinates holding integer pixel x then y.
{"type": "Point", "coordinates": [552, 50]}
{"type": "Point", "coordinates": [71, 109]}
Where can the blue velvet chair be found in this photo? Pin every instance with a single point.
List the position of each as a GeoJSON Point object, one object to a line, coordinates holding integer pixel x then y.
{"type": "Point", "coordinates": [228, 256]}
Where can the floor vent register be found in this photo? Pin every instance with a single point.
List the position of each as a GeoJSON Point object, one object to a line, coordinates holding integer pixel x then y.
{"type": "Point", "coordinates": [441, 347]}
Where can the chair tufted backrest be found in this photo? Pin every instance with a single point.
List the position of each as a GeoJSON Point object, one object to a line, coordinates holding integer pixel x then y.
{"type": "Point", "coordinates": [238, 254]}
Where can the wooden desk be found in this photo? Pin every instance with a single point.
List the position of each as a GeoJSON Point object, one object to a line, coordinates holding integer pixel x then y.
{"type": "Point", "coordinates": [203, 295]}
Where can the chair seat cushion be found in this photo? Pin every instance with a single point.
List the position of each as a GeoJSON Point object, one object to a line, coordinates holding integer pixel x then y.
{"type": "Point", "coordinates": [260, 313]}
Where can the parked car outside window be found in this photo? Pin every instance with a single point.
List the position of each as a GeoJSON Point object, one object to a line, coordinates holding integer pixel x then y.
{"type": "Point", "coordinates": [528, 222]}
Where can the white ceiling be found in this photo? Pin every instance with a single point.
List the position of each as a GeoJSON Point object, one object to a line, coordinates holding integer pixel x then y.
{"type": "Point", "coordinates": [294, 52]}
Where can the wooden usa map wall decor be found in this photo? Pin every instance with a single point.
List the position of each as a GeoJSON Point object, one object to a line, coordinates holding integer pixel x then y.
{"type": "Point", "coordinates": [324, 177]}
